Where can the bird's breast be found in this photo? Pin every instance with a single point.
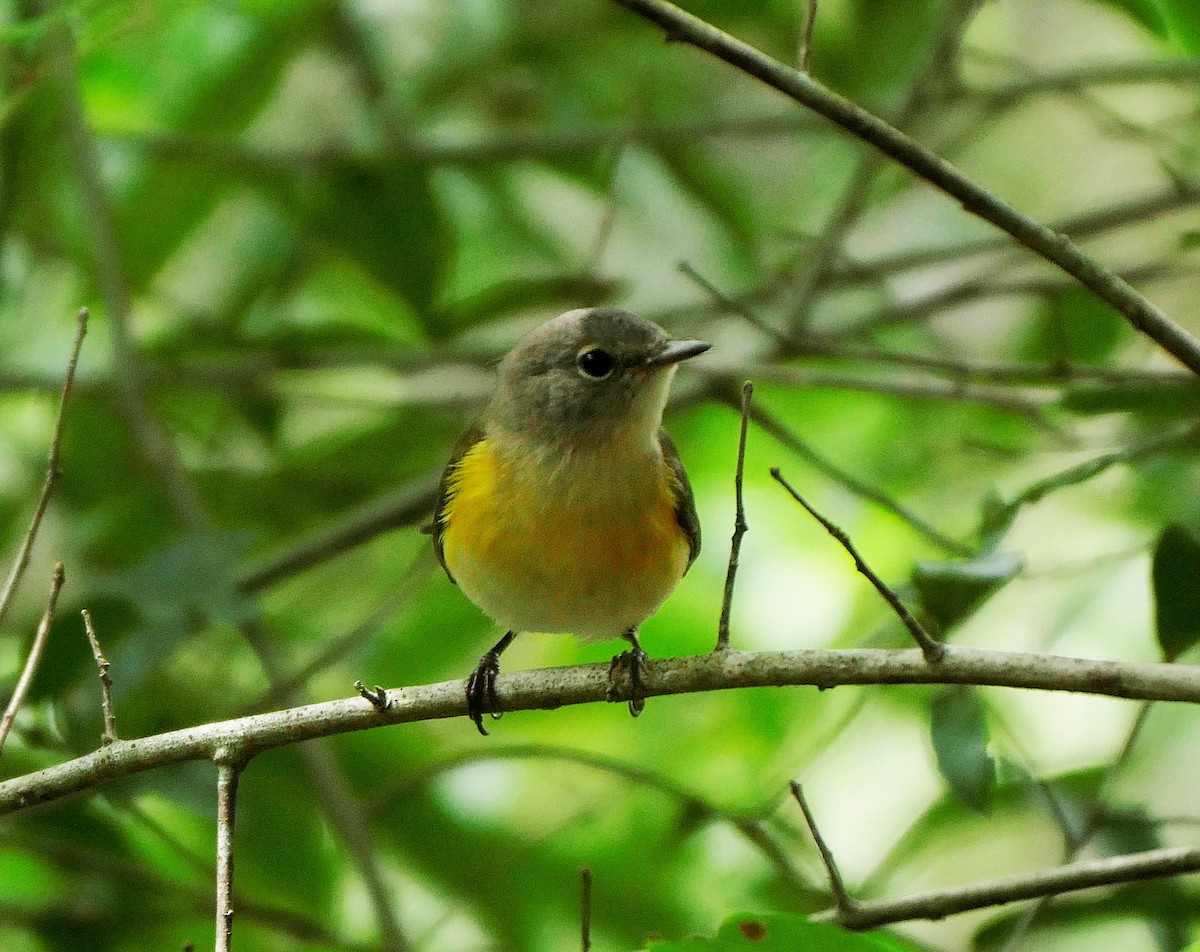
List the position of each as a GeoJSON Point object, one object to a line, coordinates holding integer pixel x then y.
{"type": "Point", "coordinates": [582, 542]}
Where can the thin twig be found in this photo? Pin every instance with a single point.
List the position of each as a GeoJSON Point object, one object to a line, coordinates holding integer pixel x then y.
{"type": "Point", "coordinates": [1076, 842]}
{"type": "Point", "coordinates": [35, 656]}
{"type": "Point", "coordinates": [229, 771]}
{"type": "Point", "coordinates": [775, 427]}
{"type": "Point", "coordinates": [933, 650]}
{"type": "Point", "coordinates": [52, 472]}
{"type": "Point", "coordinates": [102, 663]}
{"type": "Point", "coordinates": [585, 909]}
{"type": "Point", "coordinates": [739, 522]}
{"type": "Point", "coordinates": [845, 903]}
{"type": "Point", "coordinates": [938, 904]}
{"type": "Point", "coordinates": [1143, 314]}
{"type": "Point", "coordinates": [806, 35]}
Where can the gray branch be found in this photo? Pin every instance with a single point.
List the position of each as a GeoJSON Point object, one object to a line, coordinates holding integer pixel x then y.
{"type": "Point", "coordinates": [583, 684]}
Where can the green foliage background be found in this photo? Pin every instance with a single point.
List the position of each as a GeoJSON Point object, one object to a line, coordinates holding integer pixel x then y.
{"type": "Point", "coordinates": [332, 218]}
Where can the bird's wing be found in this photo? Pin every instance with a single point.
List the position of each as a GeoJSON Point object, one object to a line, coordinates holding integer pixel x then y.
{"type": "Point", "coordinates": [685, 501]}
{"type": "Point", "coordinates": [474, 433]}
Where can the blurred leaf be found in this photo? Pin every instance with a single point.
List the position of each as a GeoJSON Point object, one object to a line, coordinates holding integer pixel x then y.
{"type": "Point", "coordinates": [385, 218]}
{"type": "Point", "coordinates": [1177, 20]}
{"type": "Point", "coordinates": [1075, 327]}
{"type": "Point", "coordinates": [192, 577]}
{"type": "Point", "coordinates": [775, 932]}
{"type": "Point", "coordinates": [960, 738]}
{"type": "Point", "coordinates": [950, 591]}
{"type": "Point", "coordinates": [1190, 238]}
{"type": "Point", "coordinates": [1169, 398]}
{"type": "Point", "coordinates": [1148, 13]}
{"type": "Point", "coordinates": [1176, 580]}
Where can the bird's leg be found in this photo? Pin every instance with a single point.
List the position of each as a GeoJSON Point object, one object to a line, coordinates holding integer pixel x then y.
{"type": "Point", "coordinates": [635, 661]}
{"type": "Point", "coordinates": [481, 685]}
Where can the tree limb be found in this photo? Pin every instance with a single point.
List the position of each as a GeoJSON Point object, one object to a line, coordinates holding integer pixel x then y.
{"type": "Point", "coordinates": [551, 688]}
{"type": "Point", "coordinates": [1056, 248]}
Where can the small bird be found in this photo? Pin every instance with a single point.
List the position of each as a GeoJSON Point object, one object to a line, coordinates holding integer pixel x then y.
{"type": "Point", "coordinates": [566, 507]}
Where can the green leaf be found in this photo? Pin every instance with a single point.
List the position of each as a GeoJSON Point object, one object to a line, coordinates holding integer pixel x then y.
{"type": "Point", "coordinates": [386, 220]}
{"type": "Point", "coordinates": [1175, 20]}
{"type": "Point", "coordinates": [776, 932]}
{"type": "Point", "coordinates": [1190, 238]}
{"type": "Point", "coordinates": [1075, 327]}
{"type": "Point", "coordinates": [1168, 398]}
{"type": "Point", "coordinates": [960, 738]}
{"type": "Point", "coordinates": [950, 591]}
{"type": "Point", "coordinates": [1147, 13]}
{"type": "Point", "coordinates": [1176, 578]}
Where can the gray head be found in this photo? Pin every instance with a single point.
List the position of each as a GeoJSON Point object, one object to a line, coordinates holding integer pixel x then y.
{"type": "Point", "coordinates": [587, 375]}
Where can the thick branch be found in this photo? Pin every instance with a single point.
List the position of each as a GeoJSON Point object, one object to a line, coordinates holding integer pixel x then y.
{"type": "Point", "coordinates": [555, 687]}
{"type": "Point", "coordinates": [1056, 248]}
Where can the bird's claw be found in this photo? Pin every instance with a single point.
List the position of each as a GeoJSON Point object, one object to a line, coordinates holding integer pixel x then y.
{"type": "Point", "coordinates": [633, 664]}
{"type": "Point", "coordinates": [481, 690]}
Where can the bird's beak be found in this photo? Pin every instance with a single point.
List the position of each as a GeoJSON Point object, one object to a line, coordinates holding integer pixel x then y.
{"type": "Point", "coordinates": [676, 351]}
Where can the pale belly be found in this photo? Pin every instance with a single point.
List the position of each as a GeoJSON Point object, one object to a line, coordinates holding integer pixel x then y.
{"type": "Point", "coordinates": [595, 564]}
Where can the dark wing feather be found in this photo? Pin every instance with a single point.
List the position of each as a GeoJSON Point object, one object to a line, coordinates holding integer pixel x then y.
{"type": "Point", "coordinates": [473, 435]}
{"type": "Point", "coordinates": [685, 501]}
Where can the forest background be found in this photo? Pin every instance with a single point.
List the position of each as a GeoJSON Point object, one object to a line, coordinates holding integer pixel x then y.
{"type": "Point", "coordinates": [306, 231]}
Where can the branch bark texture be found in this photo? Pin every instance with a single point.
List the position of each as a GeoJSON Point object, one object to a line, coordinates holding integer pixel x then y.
{"type": "Point", "coordinates": [556, 687]}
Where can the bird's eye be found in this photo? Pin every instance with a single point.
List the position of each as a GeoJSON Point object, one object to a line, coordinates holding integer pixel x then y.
{"type": "Point", "coordinates": [595, 362]}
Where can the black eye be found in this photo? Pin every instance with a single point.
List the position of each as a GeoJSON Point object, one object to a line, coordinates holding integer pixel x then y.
{"type": "Point", "coordinates": [595, 362]}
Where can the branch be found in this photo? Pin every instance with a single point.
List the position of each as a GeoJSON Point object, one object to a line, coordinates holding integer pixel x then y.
{"type": "Point", "coordinates": [229, 771]}
{"type": "Point", "coordinates": [739, 522]}
{"type": "Point", "coordinates": [1056, 248]}
{"type": "Point", "coordinates": [52, 472]}
{"type": "Point", "coordinates": [551, 688]}
{"type": "Point", "coordinates": [102, 664]}
{"type": "Point", "coordinates": [932, 650]}
{"type": "Point", "coordinates": [845, 904]}
{"type": "Point", "coordinates": [35, 656]}
{"type": "Point", "coordinates": [1152, 864]}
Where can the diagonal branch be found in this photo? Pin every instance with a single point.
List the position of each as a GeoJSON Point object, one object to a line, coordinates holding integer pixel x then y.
{"type": "Point", "coordinates": [1056, 248]}
{"type": "Point", "coordinates": [35, 656]}
{"type": "Point", "coordinates": [1152, 864]}
{"type": "Point", "coordinates": [52, 472]}
{"type": "Point", "coordinates": [584, 684]}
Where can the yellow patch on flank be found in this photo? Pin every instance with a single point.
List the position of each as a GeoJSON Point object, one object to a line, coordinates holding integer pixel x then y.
{"type": "Point", "coordinates": [583, 542]}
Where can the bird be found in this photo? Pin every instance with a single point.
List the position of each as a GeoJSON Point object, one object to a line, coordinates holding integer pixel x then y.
{"type": "Point", "coordinates": [565, 507]}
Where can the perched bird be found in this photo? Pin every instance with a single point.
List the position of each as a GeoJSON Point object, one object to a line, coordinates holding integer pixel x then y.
{"type": "Point", "coordinates": [565, 507]}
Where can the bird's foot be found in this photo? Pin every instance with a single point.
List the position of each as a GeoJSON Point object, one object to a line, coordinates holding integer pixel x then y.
{"type": "Point", "coordinates": [481, 690]}
{"type": "Point", "coordinates": [632, 664]}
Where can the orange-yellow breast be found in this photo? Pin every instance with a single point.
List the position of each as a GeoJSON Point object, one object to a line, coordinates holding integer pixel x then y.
{"type": "Point", "coordinates": [580, 542]}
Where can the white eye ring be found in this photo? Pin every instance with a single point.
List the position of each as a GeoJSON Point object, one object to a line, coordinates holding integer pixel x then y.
{"type": "Point", "coordinates": [595, 363]}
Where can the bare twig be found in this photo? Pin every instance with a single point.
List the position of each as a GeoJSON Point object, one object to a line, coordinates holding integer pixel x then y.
{"type": "Point", "coordinates": [806, 35]}
{"type": "Point", "coordinates": [739, 522]}
{"type": "Point", "coordinates": [35, 656]}
{"type": "Point", "coordinates": [100, 227]}
{"type": "Point", "coordinates": [585, 909]}
{"type": "Point", "coordinates": [229, 771]}
{"type": "Point", "coordinates": [52, 472]}
{"type": "Point", "coordinates": [845, 903]}
{"type": "Point", "coordinates": [1076, 841]}
{"type": "Point", "coordinates": [585, 684]}
{"type": "Point", "coordinates": [1152, 864]}
{"type": "Point", "coordinates": [1145, 316]}
{"type": "Point", "coordinates": [933, 650]}
{"type": "Point", "coordinates": [110, 719]}
{"type": "Point", "coordinates": [773, 426]}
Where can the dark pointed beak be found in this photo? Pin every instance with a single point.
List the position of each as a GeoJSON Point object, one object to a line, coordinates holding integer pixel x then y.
{"type": "Point", "coordinates": [676, 351]}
